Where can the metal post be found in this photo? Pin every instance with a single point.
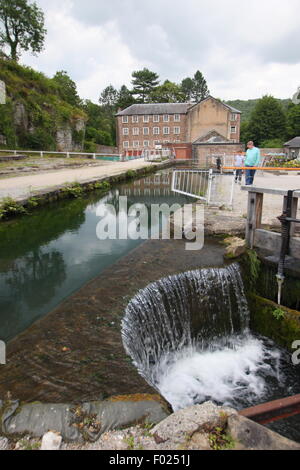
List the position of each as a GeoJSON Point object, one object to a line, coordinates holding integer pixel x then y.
{"type": "Point", "coordinates": [210, 179]}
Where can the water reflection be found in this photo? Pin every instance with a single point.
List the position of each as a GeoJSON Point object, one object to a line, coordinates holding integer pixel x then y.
{"type": "Point", "coordinates": [46, 257]}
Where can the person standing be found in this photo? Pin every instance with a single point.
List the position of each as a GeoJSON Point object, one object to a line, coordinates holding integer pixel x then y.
{"type": "Point", "coordinates": [239, 162]}
{"type": "Point", "coordinates": [252, 160]}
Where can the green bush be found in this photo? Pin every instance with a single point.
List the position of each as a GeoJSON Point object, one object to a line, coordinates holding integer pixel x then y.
{"type": "Point", "coordinates": [9, 207]}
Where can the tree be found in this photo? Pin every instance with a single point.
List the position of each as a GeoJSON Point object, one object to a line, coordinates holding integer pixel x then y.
{"type": "Point", "coordinates": [144, 83]}
{"type": "Point", "coordinates": [200, 89]}
{"type": "Point", "coordinates": [125, 98]}
{"type": "Point", "coordinates": [268, 121]}
{"type": "Point", "coordinates": [68, 88]}
{"type": "Point", "coordinates": [21, 27]}
{"type": "Point", "coordinates": [293, 121]}
{"type": "Point", "coordinates": [168, 92]}
{"type": "Point", "coordinates": [109, 98]}
{"type": "Point", "coordinates": [245, 133]}
{"type": "Point", "coordinates": [187, 86]}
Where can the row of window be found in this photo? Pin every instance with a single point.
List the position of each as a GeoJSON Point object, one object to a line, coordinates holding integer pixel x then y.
{"type": "Point", "coordinates": [156, 130]}
{"type": "Point", "coordinates": [146, 143]}
{"type": "Point", "coordinates": [155, 117]}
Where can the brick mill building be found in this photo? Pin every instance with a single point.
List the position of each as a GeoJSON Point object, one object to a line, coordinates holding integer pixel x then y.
{"type": "Point", "coordinates": [192, 130]}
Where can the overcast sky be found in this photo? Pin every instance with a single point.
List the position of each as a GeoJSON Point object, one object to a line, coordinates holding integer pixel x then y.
{"type": "Point", "coordinates": [245, 48]}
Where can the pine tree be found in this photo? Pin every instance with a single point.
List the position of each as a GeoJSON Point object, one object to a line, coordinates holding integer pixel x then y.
{"type": "Point", "coordinates": [109, 97]}
{"type": "Point", "coordinates": [144, 83]}
{"type": "Point", "coordinates": [200, 89]}
{"type": "Point", "coordinates": [187, 87]}
{"type": "Point", "coordinates": [125, 98]}
{"type": "Point", "coordinates": [268, 121]}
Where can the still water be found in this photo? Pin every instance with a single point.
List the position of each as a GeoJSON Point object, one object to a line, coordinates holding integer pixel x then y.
{"type": "Point", "coordinates": [46, 257]}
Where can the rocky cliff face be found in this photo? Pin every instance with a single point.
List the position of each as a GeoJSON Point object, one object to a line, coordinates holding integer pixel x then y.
{"type": "Point", "coordinates": [68, 137]}
{"type": "Point", "coordinates": [35, 116]}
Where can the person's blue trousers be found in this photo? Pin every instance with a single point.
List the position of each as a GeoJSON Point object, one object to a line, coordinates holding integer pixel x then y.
{"type": "Point", "coordinates": [250, 176]}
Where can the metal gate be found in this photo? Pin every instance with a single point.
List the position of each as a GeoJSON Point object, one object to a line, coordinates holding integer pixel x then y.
{"type": "Point", "coordinates": [205, 185]}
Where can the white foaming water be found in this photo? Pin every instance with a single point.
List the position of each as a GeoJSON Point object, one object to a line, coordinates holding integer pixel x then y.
{"type": "Point", "coordinates": [189, 337]}
{"type": "Point", "coordinates": [233, 376]}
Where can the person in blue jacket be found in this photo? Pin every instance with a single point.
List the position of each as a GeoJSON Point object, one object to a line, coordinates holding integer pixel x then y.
{"type": "Point", "coordinates": [252, 160]}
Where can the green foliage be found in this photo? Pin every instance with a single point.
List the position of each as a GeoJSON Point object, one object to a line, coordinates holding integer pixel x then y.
{"type": "Point", "coordinates": [248, 106]}
{"type": "Point", "coordinates": [220, 440]}
{"type": "Point", "coordinates": [22, 27]}
{"type": "Point", "coordinates": [293, 121]}
{"type": "Point", "coordinates": [187, 86]}
{"type": "Point", "coordinates": [74, 190]}
{"type": "Point", "coordinates": [200, 89]}
{"type": "Point", "coordinates": [268, 121]}
{"type": "Point", "coordinates": [168, 92]}
{"type": "Point", "coordinates": [109, 97]}
{"type": "Point", "coordinates": [130, 174]}
{"type": "Point", "coordinates": [273, 144]}
{"type": "Point", "coordinates": [44, 108]}
{"type": "Point", "coordinates": [9, 207]}
{"type": "Point", "coordinates": [67, 88]}
{"type": "Point", "coordinates": [278, 313]}
{"type": "Point", "coordinates": [144, 83]}
{"type": "Point", "coordinates": [125, 98]}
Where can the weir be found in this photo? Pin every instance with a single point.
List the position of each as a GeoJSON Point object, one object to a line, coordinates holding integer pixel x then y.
{"type": "Point", "coordinates": [189, 337]}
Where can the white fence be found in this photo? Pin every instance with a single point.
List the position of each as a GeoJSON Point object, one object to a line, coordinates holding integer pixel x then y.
{"type": "Point", "coordinates": [42, 153]}
{"type": "Point", "coordinates": [205, 185]}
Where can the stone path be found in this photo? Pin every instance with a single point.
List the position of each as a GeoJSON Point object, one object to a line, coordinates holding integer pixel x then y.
{"type": "Point", "coordinates": [22, 187]}
{"type": "Point", "coordinates": [272, 204]}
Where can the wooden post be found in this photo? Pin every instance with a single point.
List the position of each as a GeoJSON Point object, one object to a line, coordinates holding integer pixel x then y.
{"type": "Point", "coordinates": [254, 221]}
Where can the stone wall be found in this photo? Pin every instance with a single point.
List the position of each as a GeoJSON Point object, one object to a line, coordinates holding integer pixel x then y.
{"type": "Point", "coordinates": [107, 149]}
{"type": "Point", "coordinates": [202, 154]}
{"type": "Point", "coordinates": [211, 115]}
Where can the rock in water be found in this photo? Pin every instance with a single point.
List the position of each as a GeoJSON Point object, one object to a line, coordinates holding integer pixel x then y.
{"type": "Point", "coordinates": [51, 441]}
{"type": "Point", "coordinates": [235, 247]}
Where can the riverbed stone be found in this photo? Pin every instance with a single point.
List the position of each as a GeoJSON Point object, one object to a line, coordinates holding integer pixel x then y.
{"type": "Point", "coordinates": [235, 247]}
{"type": "Point", "coordinates": [253, 436]}
{"type": "Point", "coordinates": [182, 425]}
{"type": "Point", "coordinates": [87, 421]}
{"type": "Point", "coordinates": [3, 443]}
{"type": "Point", "coordinates": [51, 441]}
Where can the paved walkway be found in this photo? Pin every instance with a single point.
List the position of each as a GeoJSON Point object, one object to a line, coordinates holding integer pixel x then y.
{"type": "Point", "coordinates": [22, 187]}
{"type": "Point", "coordinates": [273, 205]}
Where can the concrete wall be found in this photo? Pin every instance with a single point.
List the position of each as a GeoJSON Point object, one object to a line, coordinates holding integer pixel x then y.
{"type": "Point", "coordinates": [107, 149]}
{"type": "Point", "coordinates": [202, 154]}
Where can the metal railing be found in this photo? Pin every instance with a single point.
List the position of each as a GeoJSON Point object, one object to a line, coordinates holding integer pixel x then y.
{"type": "Point", "coordinates": [42, 153]}
{"type": "Point", "coordinates": [205, 185]}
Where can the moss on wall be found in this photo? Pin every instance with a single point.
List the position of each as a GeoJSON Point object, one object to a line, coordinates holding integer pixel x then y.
{"type": "Point", "coordinates": [284, 329]}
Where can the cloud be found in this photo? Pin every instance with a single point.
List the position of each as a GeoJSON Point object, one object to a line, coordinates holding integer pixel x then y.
{"type": "Point", "coordinates": [244, 48]}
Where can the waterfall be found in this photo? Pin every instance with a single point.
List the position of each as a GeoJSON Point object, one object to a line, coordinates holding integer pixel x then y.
{"type": "Point", "coordinates": [189, 337]}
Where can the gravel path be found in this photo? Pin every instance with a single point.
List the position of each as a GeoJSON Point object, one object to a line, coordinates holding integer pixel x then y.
{"type": "Point", "coordinates": [21, 187]}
